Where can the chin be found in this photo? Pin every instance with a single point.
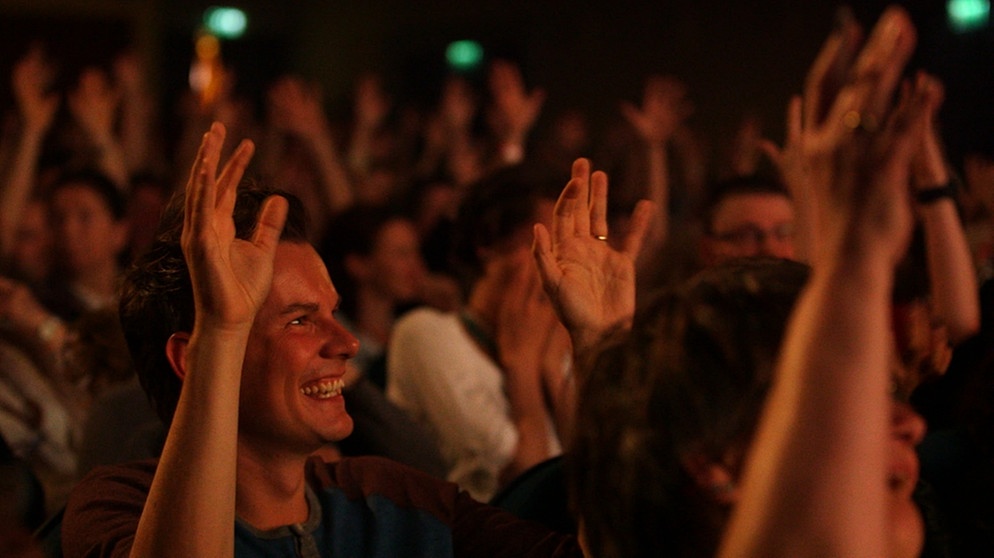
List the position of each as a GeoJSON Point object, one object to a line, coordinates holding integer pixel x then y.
{"type": "Point", "coordinates": [907, 530]}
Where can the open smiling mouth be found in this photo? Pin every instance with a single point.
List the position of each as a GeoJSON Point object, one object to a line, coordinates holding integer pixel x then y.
{"type": "Point", "coordinates": [324, 389]}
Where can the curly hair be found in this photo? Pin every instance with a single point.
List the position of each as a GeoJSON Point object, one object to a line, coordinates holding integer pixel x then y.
{"type": "Point", "coordinates": [689, 378]}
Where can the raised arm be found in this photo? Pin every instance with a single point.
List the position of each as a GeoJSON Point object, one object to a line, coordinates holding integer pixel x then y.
{"type": "Point", "coordinates": [790, 164]}
{"type": "Point", "coordinates": [664, 109]}
{"type": "Point", "coordinates": [191, 505]}
{"type": "Point", "coordinates": [514, 111]}
{"type": "Point", "coordinates": [296, 108]}
{"type": "Point", "coordinates": [591, 284]}
{"type": "Point", "coordinates": [816, 477]}
{"type": "Point", "coordinates": [94, 104]}
{"type": "Point", "coordinates": [525, 322]}
{"type": "Point", "coordinates": [37, 107]}
{"type": "Point", "coordinates": [137, 113]}
{"type": "Point", "coordinates": [371, 106]}
{"type": "Point", "coordinates": [953, 282]}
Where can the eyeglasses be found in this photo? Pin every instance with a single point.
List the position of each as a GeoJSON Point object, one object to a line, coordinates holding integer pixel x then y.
{"type": "Point", "coordinates": [751, 235]}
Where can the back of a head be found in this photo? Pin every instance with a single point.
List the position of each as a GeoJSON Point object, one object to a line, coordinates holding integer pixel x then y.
{"type": "Point", "coordinates": [157, 296]}
{"type": "Point", "coordinates": [689, 379]}
{"type": "Point", "coordinates": [493, 210]}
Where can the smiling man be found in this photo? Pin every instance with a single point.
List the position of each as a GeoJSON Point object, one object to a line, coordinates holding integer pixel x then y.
{"type": "Point", "coordinates": [230, 319]}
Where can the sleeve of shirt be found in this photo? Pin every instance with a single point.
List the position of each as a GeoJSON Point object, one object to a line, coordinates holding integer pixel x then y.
{"type": "Point", "coordinates": [446, 381]}
{"type": "Point", "coordinates": [102, 514]}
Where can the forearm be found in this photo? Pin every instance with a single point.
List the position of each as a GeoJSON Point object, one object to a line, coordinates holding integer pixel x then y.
{"type": "Point", "coordinates": [819, 446]}
{"type": "Point", "coordinates": [110, 158]}
{"type": "Point", "coordinates": [530, 417]}
{"type": "Point", "coordinates": [951, 274]}
{"type": "Point", "coordinates": [190, 509]}
{"type": "Point", "coordinates": [337, 188]}
{"type": "Point", "coordinates": [659, 194]}
{"type": "Point", "coordinates": [360, 149]}
{"type": "Point", "coordinates": [136, 130]}
{"type": "Point", "coordinates": [19, 183]}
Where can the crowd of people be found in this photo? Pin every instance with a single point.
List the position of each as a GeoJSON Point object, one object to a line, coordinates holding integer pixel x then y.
{"type": "Point", "coordinates": [400, 335]}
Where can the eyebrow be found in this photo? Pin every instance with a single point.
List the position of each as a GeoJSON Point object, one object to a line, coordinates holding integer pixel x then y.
{"type": "Point", "coordinates": [307, 307]}
{"type": "Point", "coordinates": [295, 308]}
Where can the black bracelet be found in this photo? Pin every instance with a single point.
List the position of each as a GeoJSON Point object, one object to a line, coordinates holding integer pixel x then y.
{"type": "Point", "coordinates": [932, 195]}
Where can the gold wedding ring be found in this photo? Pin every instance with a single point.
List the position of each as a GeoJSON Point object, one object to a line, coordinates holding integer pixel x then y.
{"type": "Point", "coordinates": [856, 121]}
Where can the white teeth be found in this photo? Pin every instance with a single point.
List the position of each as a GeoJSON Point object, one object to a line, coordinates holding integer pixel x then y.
{"type": "Point", "coordinates": [324, 390]}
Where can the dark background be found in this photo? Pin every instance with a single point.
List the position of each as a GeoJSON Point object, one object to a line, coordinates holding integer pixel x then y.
{"type": "Point", "coordinates": [736, 57]}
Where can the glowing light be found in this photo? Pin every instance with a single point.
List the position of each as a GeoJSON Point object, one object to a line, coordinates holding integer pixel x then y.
{"type": "Point", "coordinates": [968, 15]}
{"type": "Point", "coordinates": [225, 22]}
{"type": "Point", "coordinates": [464, 55]}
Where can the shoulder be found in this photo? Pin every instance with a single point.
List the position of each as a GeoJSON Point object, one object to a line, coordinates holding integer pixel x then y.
{"type": "Point", "coordinates": [128, 478]}
{"type": "Point", "coordinates": [426, 319]}
{"type": "Point", "coordinates": [361, 477]}
{"type": "Point", "coordinates": [104, 508]}
{"type": "Point", "coordinates": [423, 332]}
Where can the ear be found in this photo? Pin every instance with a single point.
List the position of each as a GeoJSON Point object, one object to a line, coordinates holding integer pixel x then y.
{"type": "Point", "coordinates": [176, 347]}
{"type": "Point", "coordinates": [712, 477]}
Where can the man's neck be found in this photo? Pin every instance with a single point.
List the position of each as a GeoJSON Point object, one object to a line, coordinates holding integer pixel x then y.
{"type": "Point", "coordinates": [270, 490]}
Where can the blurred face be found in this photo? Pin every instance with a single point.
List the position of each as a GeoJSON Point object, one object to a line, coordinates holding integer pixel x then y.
{"type": "Point", "coordinates": [395, 266]}
{"type": "Point", "coordinates": [749, 225]}
{"type": "Point", "coordinates": [907, 528]}
{"type": "Point", "coordinates": [87, 236]}
{"type": "Point", "coordinates": [296, 358]}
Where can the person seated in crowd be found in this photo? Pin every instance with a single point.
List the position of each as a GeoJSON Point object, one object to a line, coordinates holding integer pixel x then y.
{"type": "Point", "coordinates": [91, 233]}
{"type": "Point", "coordinates": [477, 378]}
{"type": "Point", "coordinates": [374, 256]}
{"type": "Point", "coordinates": [696, 403]}
{"type": "Point", "coordinates": [830, 459]}
{"type": "Point", "coordinates": [747, 216]}
{"type": "Point", "coordinates": [230, 318]}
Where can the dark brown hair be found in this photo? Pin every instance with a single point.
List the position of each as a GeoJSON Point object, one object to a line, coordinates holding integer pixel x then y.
{"type": "Point", "coordinates": [157, 296]}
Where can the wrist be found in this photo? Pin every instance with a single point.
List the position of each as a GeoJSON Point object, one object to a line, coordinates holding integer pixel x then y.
{"type": "Point", "coordinates": [512, 152]}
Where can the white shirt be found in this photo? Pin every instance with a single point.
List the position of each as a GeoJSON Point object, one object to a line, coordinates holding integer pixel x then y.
{"type": "Point", "coordinates": [438, 374]}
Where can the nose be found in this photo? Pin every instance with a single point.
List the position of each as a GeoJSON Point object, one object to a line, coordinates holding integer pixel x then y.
{"type": "Point", "coordinates": [339, 342]}
{"type": "Point", "coordinates": [907, 425]}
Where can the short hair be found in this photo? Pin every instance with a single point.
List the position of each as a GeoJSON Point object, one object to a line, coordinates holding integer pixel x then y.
{"type": "Point", "coordinates": [100, 184]}
{"type": "Point", "coordinates": [157, 295]}
{"type": "Point", "coordinates": [354, 231]}
{"type": "Point", "coordinates": [737, 186]}
{"type": "Point", "coordinates": [494, 208]}
{"type": "Point", "coordinates": [689, 378]}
